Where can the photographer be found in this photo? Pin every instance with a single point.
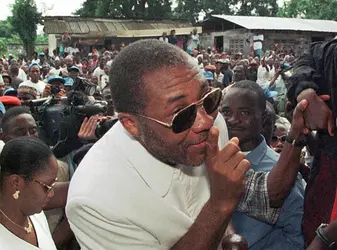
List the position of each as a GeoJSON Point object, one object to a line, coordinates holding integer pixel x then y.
{"type": "Point", "coordinates": [54, 87]}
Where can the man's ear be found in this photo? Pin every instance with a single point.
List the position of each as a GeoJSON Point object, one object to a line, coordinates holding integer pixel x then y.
{"type": "Point", "coordinates": [130, 123]}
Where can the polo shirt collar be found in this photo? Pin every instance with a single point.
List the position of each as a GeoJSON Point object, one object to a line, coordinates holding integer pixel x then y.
{"type": "Point", "coordinates": [157, 175]}
{"type": "Point", "coordinates": [256, 155]}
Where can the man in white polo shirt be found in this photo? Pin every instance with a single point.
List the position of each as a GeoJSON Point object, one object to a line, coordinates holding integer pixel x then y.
{"type": "Point", "coordinates": [157, 179]}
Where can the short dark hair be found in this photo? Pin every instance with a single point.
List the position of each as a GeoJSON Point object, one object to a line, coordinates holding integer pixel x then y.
{"type": "Point", "coordinates": [130, 65]}
{"type": "Point", "coordinates": [14, 69]}
{"type": "Point", "coordinates": [256, 89]}
{"type": "Point", "coordinates": [24, 156]}
{"type": "Point", "coordinates": [11, 113]}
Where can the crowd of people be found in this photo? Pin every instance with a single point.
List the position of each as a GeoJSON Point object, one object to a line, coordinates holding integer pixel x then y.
{"type": "Point", "coordinates": [211, 150]}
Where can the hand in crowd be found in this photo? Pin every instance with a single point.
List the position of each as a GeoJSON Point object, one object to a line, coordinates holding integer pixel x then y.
{"type": "Point", "coordinates": [298, 125]}
{"type": "Point", "coordinates": [88, 128]}
{"type": "Point", "coordinates": [318, 115]}
{"type": "Point", "coordinates": [47, 92]}
{"type": "Point", "coordinates": [226, 169]}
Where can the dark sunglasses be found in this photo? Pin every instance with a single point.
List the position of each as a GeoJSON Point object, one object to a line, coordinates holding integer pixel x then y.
{"type": "Point", "coordinates": [184, 119]}
{"type": "Point", "coordinates": [278, 138]}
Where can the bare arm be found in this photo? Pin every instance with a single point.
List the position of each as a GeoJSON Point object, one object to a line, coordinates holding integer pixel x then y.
{"type": "Point", "coordinates": [331, 232]}
{"type": "Point", "coordinates": [207, 231]}
{"type": "Point", "coordinates": [283, 176]}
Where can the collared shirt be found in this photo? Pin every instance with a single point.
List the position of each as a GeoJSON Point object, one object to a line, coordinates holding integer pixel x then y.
{"type": "Point", "coordinates": [286, 233]}
{"type": "Point", "coordinates": [121, 197]}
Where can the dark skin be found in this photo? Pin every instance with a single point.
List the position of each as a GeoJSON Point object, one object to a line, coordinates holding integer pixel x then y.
{"type": "Point", "coordinates": [34, 74]}
{"type": "Point", "coordinates": [179, 87]}
{"type": "Point", "coordinates": [244, 117]}
{"type": "Point", "coordinates": [33, 198]}
{"type": "Point", "coordinates": [318, 115]}
{"type": "Point", "coordinates": [25, 125]}
{"type": "Point", "coordinates": [239, 73]}
{"type": "Point", "coordinates": [280, 131]}
{"type": "Point", "coordinates": [246, 122]}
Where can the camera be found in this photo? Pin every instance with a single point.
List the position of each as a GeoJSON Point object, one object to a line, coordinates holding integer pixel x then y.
{"type": "Point", "coordinates": [61, 118]}
{"type": "Point", "coordinates": [85, 86]}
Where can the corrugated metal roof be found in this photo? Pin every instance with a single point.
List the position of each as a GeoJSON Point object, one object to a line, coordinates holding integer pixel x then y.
{"type": "Point", "coordinates": [279, 23]}
{"type": "Point", "coordinates": [113, 27]}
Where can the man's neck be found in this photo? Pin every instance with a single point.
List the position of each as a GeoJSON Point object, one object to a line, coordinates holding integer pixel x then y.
{"type": "Point", "coordinates": [34, 81]}
{"type": "Point", "coordinates": [251, 144]}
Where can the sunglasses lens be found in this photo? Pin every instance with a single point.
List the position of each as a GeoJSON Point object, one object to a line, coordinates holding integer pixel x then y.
{"type": "Point", "coordinates": [184, 120]}
{"type": "Point", "coordinates": [283, 138]}
{"type": "Point", "coordinates": [212, 101]}
{"type": "Point", "coordinates": [274, 139]}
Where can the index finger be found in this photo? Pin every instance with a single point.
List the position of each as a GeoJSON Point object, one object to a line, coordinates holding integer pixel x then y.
{"type": "Point", "coordinates": [230, 149]}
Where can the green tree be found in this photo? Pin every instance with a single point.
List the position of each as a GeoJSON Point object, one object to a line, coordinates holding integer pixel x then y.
{"type": "Point", "coordinates": [24, 20]}
{"type": "Point", "coordinates": [311, 9]}
{"type": "Point", "coordinates": [126, 8]}
{"type": "Point", "coordinates": [192, 8]}
{"type": "Point", "coordinates": [6, 29]}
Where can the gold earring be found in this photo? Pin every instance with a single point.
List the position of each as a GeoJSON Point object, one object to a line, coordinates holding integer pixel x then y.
{"type": "Point", "coordinates": [16, 195]}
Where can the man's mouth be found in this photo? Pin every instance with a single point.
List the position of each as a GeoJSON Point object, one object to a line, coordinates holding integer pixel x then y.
{"type": "Point", "coordinates": [236, 129]}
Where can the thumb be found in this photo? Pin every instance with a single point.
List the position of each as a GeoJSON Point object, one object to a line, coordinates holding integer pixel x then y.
{"type": "Point", "coordinates": [324, 97]}
{"type": "Point", "coordinates": [212, 148]}
{"type": "Point", "coordinates": [300, 108]}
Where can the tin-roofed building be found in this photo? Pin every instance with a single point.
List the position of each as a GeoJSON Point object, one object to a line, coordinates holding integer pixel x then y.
{"type": "Point", "coordinates": [104, 31]}
{"type": "Point", "coordinates": [242, 33]}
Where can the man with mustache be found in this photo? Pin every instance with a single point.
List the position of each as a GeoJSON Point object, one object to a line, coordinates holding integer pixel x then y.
{"type": "Point", "coordinates": [244, 109]}
{"type": "Point", "coordinates": [158, 179]}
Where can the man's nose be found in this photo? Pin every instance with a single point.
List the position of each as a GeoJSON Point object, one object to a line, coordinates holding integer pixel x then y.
{"type": "Point", "coordinates": [232, 119]}
{"type": "Point", "coordinates": [203, 121]}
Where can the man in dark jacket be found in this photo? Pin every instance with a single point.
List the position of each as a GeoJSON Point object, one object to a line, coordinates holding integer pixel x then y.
{"type": "Point", "coordinates": [315, 79]}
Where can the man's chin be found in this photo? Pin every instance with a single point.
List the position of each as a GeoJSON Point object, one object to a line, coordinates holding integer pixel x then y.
{"type": "Point", "coordinates": [195, 160]}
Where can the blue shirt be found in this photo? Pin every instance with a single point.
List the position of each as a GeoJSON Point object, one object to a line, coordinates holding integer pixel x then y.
{"type": "Point", "coordinates": [286, 233]}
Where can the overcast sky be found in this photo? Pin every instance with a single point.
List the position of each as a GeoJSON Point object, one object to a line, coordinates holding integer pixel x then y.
{"type": "Point", "coordinates": [58, 7]}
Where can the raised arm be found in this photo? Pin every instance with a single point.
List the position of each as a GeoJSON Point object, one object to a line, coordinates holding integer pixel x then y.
{"type": "Point", "coordinates": [313, 79]}
{"type": "Point", "coordinates": [314, 69]}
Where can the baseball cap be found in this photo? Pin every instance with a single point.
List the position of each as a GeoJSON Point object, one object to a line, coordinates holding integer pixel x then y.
{"type": "Point", "coordinates": [68, 81]}
{"type": "Point", "coordinates": [41, 54]}
{"type": "Point", "coordinates": [10, 92]}
{"type": "Point", "coordinates": [10, 100]}
{"type": "Point", "coordinates": [223, 61]}
{"type": "Point", "coordinates": [33, 64]}
{"type": "Point", "coordinates": [210, 67]}
{"type": "Point", "coordinates": [208, 75]}
{"type": "Point", "coordinates": [74, 68]}
{"type": "Point", "coordinates": [54, 78]}
{"type": "Point", "coordinates": [268, 93]}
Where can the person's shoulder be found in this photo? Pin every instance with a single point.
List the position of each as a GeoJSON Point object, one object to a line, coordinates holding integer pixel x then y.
{"type": "Point", "coordinates": [27, 82]}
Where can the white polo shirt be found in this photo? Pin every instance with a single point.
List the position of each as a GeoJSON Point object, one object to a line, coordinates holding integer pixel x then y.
{"type": "Point", "coordinates": [121, 197]}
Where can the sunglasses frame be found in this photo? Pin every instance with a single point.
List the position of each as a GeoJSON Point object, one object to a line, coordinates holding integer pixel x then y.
{"type": "Point", "coordinates": [198, 103]}
{"type": "Point", "coordinates": [279, 138]}
{"type": "Point", "coordinates": [50, 188]}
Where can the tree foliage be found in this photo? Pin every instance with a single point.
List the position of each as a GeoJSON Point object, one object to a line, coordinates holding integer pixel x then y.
{"type": "Point", "coordinates": [24, 20]}
{"type": "Point", "coordinates": [193, 8]}
{"type": "Point", "coordinates": [185, 9]}
{"type": "Point", "coordinates": [126, 8]}
{"type": "Point", "coordinates": [310, 9]}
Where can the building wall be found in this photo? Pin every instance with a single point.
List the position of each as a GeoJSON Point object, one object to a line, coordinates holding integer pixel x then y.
{"type": "Point", "coordinates": [238, 40]}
